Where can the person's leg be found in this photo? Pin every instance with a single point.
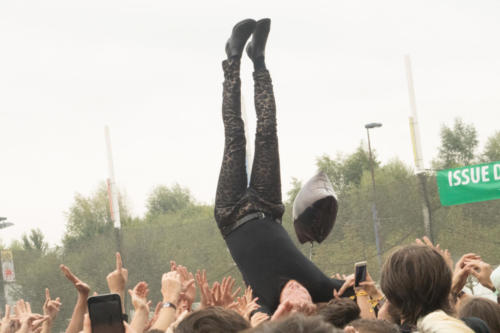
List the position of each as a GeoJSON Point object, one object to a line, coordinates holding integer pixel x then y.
{"type": "Point", "coordinates": [232, 183]}
{"type": "Point", "coordinates": [265, 179]}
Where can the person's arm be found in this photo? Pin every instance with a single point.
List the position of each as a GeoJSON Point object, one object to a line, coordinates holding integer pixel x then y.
{"type": "Point", "coordinates": [375, 296]}
{"type": "Point", "coordinates": [170, 290]}
{"type": "Point", "coordinates": [117, 280]}
{"type": "Point", "coordinates": [141, 306]}
{"type": "Point", "coordinates": [363, 301]}
{"type": "Point", "coordinates": [51, 309]}
{"type": "Point", "coordinates": [76, 322]}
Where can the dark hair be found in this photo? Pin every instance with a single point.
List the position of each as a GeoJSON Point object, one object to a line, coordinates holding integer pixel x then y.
{"type": "Point", "coordinates": [212, 319]}
{"type": "Point", "coordinates": [374, 326]}
{"type": "Point", "coordinates": [296, 323]}
{"type": "Point", "coordinates": [484, 309]}
{"type": "Point", "coordinates": [340, 312]}
{"type": "Point", "coordinates": [417, 281]}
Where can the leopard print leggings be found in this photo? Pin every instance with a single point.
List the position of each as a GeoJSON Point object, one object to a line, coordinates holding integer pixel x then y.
{"type": "Point", "coordinates": [234, 199]}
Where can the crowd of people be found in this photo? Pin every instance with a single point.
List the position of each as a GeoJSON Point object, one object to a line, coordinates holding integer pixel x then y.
{"type": "Point", "coordinates": [420, 289]}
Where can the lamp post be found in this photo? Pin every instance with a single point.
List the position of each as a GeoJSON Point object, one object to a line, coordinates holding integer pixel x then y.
{"type": "Point", "coordinates": [374, 206]}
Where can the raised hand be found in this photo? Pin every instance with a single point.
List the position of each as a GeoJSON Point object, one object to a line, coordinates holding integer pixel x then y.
{"type": "Point", "coordinates": [118, 278]}
{"type": "Point", "coordinates": [283, 310]}
{"type": "Point", "coordinates": [371, 289]}
{"type": "Point", "coordinates": [171, 287]}
{"type": "Point", "coordinates": [82, 288]}
{"type": "Point", "coordinates": [29, 321]}
{"type": "Point", "coordinates": [205, 292]}
{"type": "Point", "coordinates": [462, 271]}
{"type": "Point", "coordinates": [8, 323]}
{"type": "Point", "coordinates": [258, 318]}
{"type": "Point", "coordinates": [227, 294]}
{"type": "Point", "coordinates": [188, 288]}
{"type": "Point", "coordinates": [349, 282]}
{"type": "Point", "coordinates": [139, 296]}
{"type": "Point", "coordinates": [51, 307]}
{"type": "Point", "coordinates": [482, 271]}
{"type": "Point", "coordinates": [444, 253]}
{"type": "Point", "coordinates": [247, 304]}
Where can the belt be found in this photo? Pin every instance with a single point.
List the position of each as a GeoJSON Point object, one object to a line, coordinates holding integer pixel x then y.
{"type": "Point", "coordinates": [247, 218]}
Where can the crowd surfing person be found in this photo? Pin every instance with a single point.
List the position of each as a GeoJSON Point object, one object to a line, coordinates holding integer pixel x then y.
{"type": "Point", "coordinates": [421, 288]}
{"type": "Point", "coordinates": [249, 216]}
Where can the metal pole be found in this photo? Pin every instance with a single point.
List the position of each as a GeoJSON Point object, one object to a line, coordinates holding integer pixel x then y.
{"type": "Point", "coordinates": [374, 206]}
{"type": "Point", "coordinates": [417, 152]}
{"type": "Point", "coordinates": [115, 208]}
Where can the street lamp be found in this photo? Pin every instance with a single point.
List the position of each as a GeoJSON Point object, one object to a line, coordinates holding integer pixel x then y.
{"type": "Point", "coordinates": [374, 207]}
{"type": "Point", "coordinates": [4, 224]}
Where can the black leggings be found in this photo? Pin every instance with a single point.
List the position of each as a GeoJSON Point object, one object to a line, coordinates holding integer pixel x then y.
{"type": "Point", "coordinates": [234, 199]}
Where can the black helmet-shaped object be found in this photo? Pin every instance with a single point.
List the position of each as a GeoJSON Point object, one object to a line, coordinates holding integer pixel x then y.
{"type": "Point", "coordinates": [315, 209]}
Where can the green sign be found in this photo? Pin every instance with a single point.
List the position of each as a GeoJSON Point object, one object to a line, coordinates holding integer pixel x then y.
{"type": "Point", "coordinates": [469, 184]}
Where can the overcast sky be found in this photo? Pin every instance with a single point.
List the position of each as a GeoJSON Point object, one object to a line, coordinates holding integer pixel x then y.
{"type": "Point", "coordinates": [151, 71]}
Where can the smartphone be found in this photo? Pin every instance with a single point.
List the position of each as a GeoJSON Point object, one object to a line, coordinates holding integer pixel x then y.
{"type": "Point", "coordinates": [359, 272]}
{"type": "Point", "coordinates": [105, 312]}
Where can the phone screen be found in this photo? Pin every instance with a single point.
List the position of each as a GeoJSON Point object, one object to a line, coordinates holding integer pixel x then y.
{"type": "Point", "coordinates": [105, 313]}
{"type": "Point", "coordinates": [360, 273]}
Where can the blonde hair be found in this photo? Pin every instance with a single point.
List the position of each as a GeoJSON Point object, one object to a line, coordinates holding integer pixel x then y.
{"type": "Point", "coordinates": [440, 322]}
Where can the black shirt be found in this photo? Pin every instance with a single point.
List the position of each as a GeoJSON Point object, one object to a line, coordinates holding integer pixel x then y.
{"type": "Point", "coordinates": [268, 259]}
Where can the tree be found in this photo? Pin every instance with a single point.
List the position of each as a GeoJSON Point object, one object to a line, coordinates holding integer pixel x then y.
{"type": "Point", "coordinates": [35, 241]}
{"type": "Point", "coordinates": [346, 171]}
{"type": "Point", "coordinates": [458, 145]}
{"type": "Point", "coordinates": [491, 151]}
{"type": "Point", "coordinates": [292, 193]}
{"type": "Point", "coordinates": [91, 215]}
{"type": "Point", "coordinates": [164, 200]}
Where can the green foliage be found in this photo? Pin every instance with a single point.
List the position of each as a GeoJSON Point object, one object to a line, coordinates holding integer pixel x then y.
{"type": "Point", "coordinates": [89, 216]}
{"type": "Point", "coordinates": [35, 242]}
{"type": "Point", "coordinates": [163, 200]}
{"type": "Point", "coordinates": [346, 171]}
{"type": "Point", "coordinates": [458, 145]}
{"type": "Point", "coordinates": [292, 193]}
{"type": "Point", "coordinates": [491, 151]}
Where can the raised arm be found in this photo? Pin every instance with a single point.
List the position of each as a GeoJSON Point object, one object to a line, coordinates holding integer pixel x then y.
{"type": "Point", "coordinates": [76, 322]}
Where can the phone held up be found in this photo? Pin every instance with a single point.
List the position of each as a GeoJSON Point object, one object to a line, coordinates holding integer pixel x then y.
{"type": "Point", "coordinates": [359, 273]}
{"type": "Point", "coordinates": [105, 312]}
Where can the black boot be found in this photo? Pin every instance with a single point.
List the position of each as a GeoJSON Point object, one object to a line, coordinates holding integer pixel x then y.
{"type": "Point", "coordinates": [257, 47]}
{"type": "Point", "coordinates": [236, 43]}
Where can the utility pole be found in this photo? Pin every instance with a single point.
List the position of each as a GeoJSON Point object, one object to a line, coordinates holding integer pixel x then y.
{"type": "Point", "coordinates": [417, 152]}
{"type": "Point", "coordinates": [113, 192]}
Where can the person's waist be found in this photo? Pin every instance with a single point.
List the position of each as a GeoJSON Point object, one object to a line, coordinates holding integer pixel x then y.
{"type": "Point", "coordinates": [226, 230]}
